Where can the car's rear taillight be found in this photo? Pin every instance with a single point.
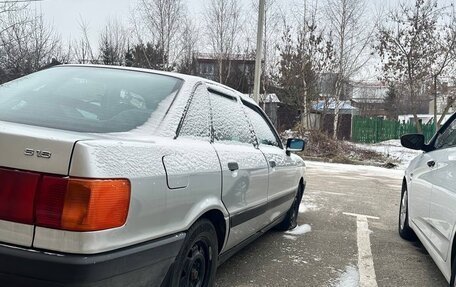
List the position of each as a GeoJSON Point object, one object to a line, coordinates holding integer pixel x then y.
{"type": "Point", "coordinates": [64, 203]}
{"type": "Point", "coordinates": [17, 195]}
{"type": "Point", "coordinates": [82, 204]}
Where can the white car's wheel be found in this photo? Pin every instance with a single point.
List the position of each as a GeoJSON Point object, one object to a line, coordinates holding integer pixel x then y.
{"type": "Point", "coordinates": [404, 229]}
{"type": "Point", "coordinates": [453, 274]}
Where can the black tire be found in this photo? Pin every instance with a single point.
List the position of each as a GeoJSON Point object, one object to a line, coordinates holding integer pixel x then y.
{"type": "Point", "coordinates": [196, 263]}
{"type": "Point", "coordinates": [404, 229]}
{"type": "Point", "coordinates": [453, 274]}
{"type": "Point", "coordinates": [291, 218]}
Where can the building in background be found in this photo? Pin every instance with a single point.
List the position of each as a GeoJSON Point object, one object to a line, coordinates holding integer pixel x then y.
{"type": "Point", "coordinates": [237, 70]}
{"type": "Point", "coordinates": [445, 98]}
{"type": "Point", "coordinates": [369, 98]}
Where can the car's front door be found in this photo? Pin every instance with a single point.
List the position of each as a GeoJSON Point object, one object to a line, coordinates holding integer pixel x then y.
{"type": "Point", "coordinates": [442, 215]}
{"type": "Point", "coordinates": [283, 175]}
{"type": "Point", "coordinates": [244, 167]}
{"type": "Point", "coordinates": [419, 191]}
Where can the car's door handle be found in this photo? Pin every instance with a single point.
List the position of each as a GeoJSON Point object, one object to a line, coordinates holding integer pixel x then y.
{"type": "Point", "coordinates": [272, 163]}
{"type": "Point", "coordinates": [233, 166]}
{"type": "Point", "coordinates": [431, 163]}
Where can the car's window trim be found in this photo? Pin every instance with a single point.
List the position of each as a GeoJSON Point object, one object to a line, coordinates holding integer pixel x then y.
{"type": "Point", "coordinates": [441, 131]}
{"type": "Point", "coordinates": [266, 119]}
{"type": "Point", "coordinates": [213, 91]}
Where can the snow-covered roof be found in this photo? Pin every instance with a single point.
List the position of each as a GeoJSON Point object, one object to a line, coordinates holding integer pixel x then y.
{"type": "Point", "coordinates": [369, 92]}
{"type": "Point", "coordinates": [331, 105]}
{"type": "Point", "coordinates": [270, 98]}
{"type": "Point", "coordinates": [215, 56]}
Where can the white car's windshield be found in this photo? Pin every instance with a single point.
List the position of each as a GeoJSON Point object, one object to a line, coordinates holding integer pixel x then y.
{"type": "Point", "coordinates": [85, 99]}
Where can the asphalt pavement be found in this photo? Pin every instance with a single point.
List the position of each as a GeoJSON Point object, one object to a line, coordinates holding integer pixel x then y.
{"type": "Point", "coordinates": [342, 206]}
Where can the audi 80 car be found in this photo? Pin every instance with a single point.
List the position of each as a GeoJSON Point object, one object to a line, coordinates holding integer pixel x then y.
{"type": "Point", "coordinates": [428, 198]}
{"type": "Point", "coordinates": [114, 176]}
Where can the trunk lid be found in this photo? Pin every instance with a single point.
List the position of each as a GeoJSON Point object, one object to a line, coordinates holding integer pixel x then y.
{"type": "Point", "coordinates": [26, 153]}
{"type": "Point", "coordinates": [36, 149]}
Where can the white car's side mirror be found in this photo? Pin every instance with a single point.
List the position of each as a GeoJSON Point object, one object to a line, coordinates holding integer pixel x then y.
{"type": "Point", "coordinates": [413, 141]}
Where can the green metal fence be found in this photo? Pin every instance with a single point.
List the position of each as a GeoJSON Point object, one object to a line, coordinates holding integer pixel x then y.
{"type": "Point", "coordinates": [374, 130]}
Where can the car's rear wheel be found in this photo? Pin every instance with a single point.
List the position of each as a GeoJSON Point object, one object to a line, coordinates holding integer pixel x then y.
{"type": "Point", "coordinates": [404, 229]}
{"type": "Point", "coordinates": [196, 263]}
{"type": "Point", "coordinates": [291, 219]}
{"type": "Point", "coordinates": [453, 274]}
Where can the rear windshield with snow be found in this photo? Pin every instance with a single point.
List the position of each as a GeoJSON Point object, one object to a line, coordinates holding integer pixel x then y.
{"type": "Point", "coordinates": [85, 99]}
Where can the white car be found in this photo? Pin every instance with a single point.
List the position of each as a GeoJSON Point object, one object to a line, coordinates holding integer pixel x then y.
{"type": "Point", "coordinates": [114, 176]}
{"type": "Point", "coordinates": [428, 201]}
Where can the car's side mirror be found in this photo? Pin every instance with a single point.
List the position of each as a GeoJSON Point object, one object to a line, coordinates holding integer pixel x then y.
{"type": "Point", "coordinates": [413, 141]}
{"type": "Point", "coordinates": [295, 145]}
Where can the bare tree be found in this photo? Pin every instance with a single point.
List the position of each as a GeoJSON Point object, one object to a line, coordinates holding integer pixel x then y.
{"type": "Point", "coordinates": [162, 19]}
{"type": "Point", "coordinates": [224, 24]}
{"type": "Point", "coordinates": [306, 56]}
{"type": "Point", "coordinates": [315, 52]}
{"type": "Point", "coordinates": [352, 38]}
{"type": "Point", "coordinates": [81, 48]}
{"type": "Point", "coordinates": [6, 9]}
{"type": "Point", "coordinates": [407, 47]}
{"type": "Point", "coordinates": [189, 44]}
{"type": "Point", "coordinates": [113, 43]}
{"type": "Point", "coordinates": [27, 44]}
{"type": "Point", "coordinates": [445, 42]}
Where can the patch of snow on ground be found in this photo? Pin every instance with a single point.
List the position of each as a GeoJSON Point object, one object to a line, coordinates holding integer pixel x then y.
{"type": "Point", "coordinates": [349, 278]}
{"type": "Point", "coordinates": [362, 170]}
{"type": "Point", "coordinates": [307, 206]}
{"type": "Point", "coordinates": [308, 203]}
{"type": "Point", "coordinates": [300, 230]}
{"type": "Point", "coordinates": [290, 237]}
{"type": "Point", "coordinates": [393, 150]}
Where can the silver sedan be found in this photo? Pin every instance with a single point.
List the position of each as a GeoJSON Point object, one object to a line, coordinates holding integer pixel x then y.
{"type": "Point", "coordinates": [113, 176]}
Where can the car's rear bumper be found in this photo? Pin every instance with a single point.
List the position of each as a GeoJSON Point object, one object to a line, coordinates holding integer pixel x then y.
{"type": "Point", "coordinates": [140, 265]}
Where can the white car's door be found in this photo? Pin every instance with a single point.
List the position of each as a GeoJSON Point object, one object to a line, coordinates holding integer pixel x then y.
{"type": "Point", "coordinates": [420, 188]}
{"type": "Point", "coordinates": [283, 175]}
{"type": "Point", "coordinates": [442, 215]}
{"type": "Point", "coordinates": [244, 168]}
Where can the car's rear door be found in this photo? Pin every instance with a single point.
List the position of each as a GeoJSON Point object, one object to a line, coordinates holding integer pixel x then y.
{"type": "Point", "coordinates": [244, 167]}
{"type": "Point", "coordinates": [283, 175]}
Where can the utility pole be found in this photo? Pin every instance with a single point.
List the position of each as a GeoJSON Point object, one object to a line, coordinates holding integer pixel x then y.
{"type": "Point", "coordinates": [259, 53]}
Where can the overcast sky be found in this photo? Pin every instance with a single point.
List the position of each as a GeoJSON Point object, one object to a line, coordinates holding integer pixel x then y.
{"type": "Point", "coordinates": [66, 15]}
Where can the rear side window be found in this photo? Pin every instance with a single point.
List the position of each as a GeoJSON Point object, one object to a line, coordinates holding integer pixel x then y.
{"type": "Point", "coordinates": [263, 131]}
{"type": "Point", "coordinates": [85, 99]}
{"type": "Point", "coordinates": [197, 119]}
{"type": "Point", "coordinates": [229, 121]}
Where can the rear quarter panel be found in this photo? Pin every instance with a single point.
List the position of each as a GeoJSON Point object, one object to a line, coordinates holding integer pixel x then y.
{"type": "Point", "coordinates": [156, 210]}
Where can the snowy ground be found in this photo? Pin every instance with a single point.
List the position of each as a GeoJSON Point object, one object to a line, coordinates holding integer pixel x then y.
{"type": "Point", "coordinates": [393, 150]}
